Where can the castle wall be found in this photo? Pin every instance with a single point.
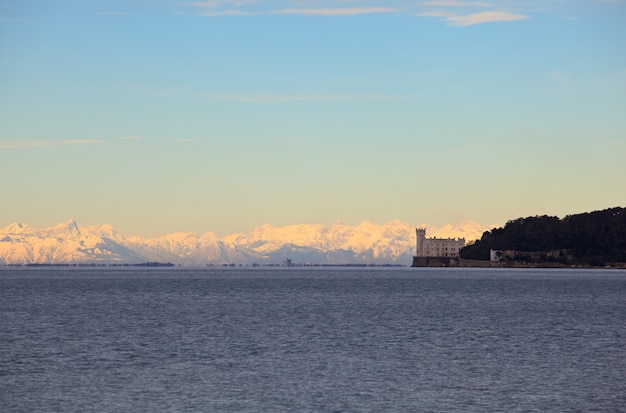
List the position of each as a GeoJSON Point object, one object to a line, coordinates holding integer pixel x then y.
{"type": "Point", "coordinates": [435, 262]}
{"type": "Point", "coordinates": [436, 247]}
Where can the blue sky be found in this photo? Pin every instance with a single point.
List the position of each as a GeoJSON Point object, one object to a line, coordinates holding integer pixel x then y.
{"type": "Point", "coordinates": [219, 116]}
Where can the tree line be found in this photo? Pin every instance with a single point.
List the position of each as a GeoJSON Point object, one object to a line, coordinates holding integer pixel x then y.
{"type": "Point", "coordinates": [594, 238]}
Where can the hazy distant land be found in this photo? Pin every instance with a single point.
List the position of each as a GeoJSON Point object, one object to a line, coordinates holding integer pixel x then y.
{"type": "Point", "coordinates": [392, 243]}
{"type": "Point", "coordinates": [590, 239]}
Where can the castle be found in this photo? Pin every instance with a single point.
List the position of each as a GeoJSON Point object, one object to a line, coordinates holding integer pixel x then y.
{"type": "Point", "coordinates": [436, 251]}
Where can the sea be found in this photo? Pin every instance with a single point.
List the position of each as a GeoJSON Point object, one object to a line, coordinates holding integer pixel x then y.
{"type": "Point", "coordinates": [316, 339]}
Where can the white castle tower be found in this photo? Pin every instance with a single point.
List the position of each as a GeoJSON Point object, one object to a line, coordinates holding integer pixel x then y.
{"type": "Point", "coordinates": [420, 234]}
{"type": "Point", "coordinates": [436, 247]}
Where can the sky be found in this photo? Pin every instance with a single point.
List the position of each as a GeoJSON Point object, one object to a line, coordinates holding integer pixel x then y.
{"type": "Point", "coordinates": [164, 116]}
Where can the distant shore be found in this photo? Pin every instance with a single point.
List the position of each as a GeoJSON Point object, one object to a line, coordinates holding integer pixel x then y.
{"type": "Point", "coordinates": [434, 262]}
{"type": "Point", "coordinates": [228, 265]}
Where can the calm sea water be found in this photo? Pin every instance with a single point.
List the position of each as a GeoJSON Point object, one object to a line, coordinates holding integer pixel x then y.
{"type": "Point", "coordinates": [312, 340]}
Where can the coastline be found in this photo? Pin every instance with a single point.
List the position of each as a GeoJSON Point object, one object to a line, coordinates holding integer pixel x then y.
{"type": "Point", "coordinates": [466, 263]}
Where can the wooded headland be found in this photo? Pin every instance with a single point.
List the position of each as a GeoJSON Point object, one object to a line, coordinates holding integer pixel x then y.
{"type": "Point", "coordinates": [596, 239]}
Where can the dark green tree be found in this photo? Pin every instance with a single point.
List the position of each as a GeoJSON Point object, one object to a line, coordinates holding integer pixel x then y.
{"type": "Point", "coordinates": [594, 238]}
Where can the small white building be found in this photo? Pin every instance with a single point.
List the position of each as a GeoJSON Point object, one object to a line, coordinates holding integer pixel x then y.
{"type": "Point", "coordinates": [495, 255]}
{"type": "Point", "coordinates": [437, 247]}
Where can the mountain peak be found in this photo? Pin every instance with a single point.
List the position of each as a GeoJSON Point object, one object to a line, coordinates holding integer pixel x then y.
{"type": "Point", "coordinates": [16, 228]}
{"type": "Point", "coordinates": [72, 226]}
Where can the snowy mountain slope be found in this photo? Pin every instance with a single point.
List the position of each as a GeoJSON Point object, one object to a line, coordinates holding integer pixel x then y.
{"type": "Point", "coordinates": [338, 243]}
{"type": "Point", "coordinates": [65, 243]}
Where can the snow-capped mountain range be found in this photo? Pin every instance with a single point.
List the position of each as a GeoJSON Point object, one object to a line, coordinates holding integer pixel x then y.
{"type": "Point", "coordinates": [366, 243]}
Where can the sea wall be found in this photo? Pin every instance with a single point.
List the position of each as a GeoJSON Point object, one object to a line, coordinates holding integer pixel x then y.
{"type": "Point", "coordinates": [461, 262]}
{"type": "Point", "coordinates": [435, 262]}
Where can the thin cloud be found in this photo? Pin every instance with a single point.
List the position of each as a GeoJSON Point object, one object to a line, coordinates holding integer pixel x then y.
{"type": "Point", "coordinates": [454, 12]}
{"type": "Point", "coordinates": [475, 18]}
{"type": "Point", "coordinates": [236, 8]}
{"type": "Point", "coordinates": [454, 3]}
{"type": "Point", "coordinates": [216, 3]}
{"type": "Point", "coordinates": [351, 11]}
{"type": "Point", "coordinates": [211, 7]}
{"type": "Point", "coordinates": [485, 17]}
{"type": "Point", "coordinates": [232, 12]}
{"type": "Point", "coordinates": [130, 138]}
{"type": "Point", "coordinates": [440, 13]}
{"type": "Point", "coordinates": [39, 144]}
{"type": "Point", "coordinates": [336, 11]}
{"type": "Point", "coordinates": [269, 98]}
